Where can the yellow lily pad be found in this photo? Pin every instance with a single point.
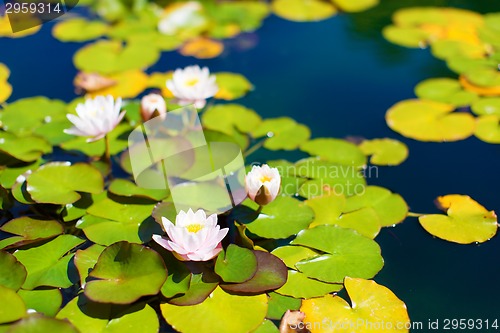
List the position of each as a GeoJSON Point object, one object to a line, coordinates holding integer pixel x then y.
{"type": "Point", "coordinates": [488, 129]}
{"type": "Point", "coordinates": [232, 86]}
{"type": "Point", "coordinates": [5, 87]}
{"type": "Point", "coordinates": [429, 121]}
{"type": "Point", "coordinates": [129, 84]}
{"type": "Point", "coordinates": [385, 151]}
{"type": "Point", "coordinates": [480, 90]}
{"type": "Point", "coordinates": [79, 30]}
{"type": "Point", "coordinates": [303, 10]}
{"type": "Point", "coordinates": [373, 305]}
{"type": "Point", "coordinates": [406, 36]}
{"type": "Point", "coordinates": [465, 222]}
{"type": "Point", "coordinates": [6, 30]}
{"type": "Point", "coordinates": [355, 5]}
{"type": "Point", "coordinates": [202, 48]}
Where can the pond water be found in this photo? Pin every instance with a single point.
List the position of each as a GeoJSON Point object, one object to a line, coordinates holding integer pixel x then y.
{"type": "Point", "coordinates": [339, 76]}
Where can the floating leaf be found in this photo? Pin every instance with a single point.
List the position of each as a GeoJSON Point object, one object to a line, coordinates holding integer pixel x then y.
{"type": "Point", "coordinates": [483, 77]}
{"type": "Point", "coordinates": [201, 286]}
{"type": "Point", "coordinates": [231, 119]}
{"type": "Point", "coordinates": [220, 305]}
{"type": "Point", "coordinates": [373, 305]}
{"type": "Point", "coordinates": [279, 304]}
{"type": "Point", "coordinates": [108, 57]}
{"type": "Point", "coordinates": [466, 221]}
{"type": "Point", "coordinates": [32, 229]}
{"type": "Point", "coordinates": [6, 28]}
{"type": "Point", "coordinates": [347, 253]}
{"type": "Point", "coordinates": [127, 188]}
{"type": "Point", "coordinates": [335, 150]}
{"type": "Point", "coordinates": [483, 91]}
{"type": "Point", "coordinates": [406, 36]}
{"type": "Point", "coordinates": [303, 10]}
{"type": "Point", "coordinates": [385, 151]}
{"type": "Point", "coordinates": [60, 182]}
{"type": "Point", "coordinates": [487, 106]}
{"type": "Point", "coordinates": [46, 301]}
{"type": "Point", "coordinates": [282, 218]}
{"type": "Point", "coordinates": [429, 121]}
{"type": "Point", "coordinates": [232, 86]}
{"type": "Point", "coordinates": [47, 264]}
{"type": "Point", "coordinates": [452, 49]}
{"type": "Point", "coordinates": [179, 277]}
{"type": "Point", "coordinates": [12, 272]}
{"type": "Point", "coordinates": [5, 87]}
{"type": "Point", "coordinates": [488, 128]}
{"type": "Point", "coordinates": [236, 264]}
{"type": "Point", "coordinates": [356, 5]}
{"type": "Point", "coordinates": [86, 259]}
{"type": "Point", "coordinates": [40, 324]}
{"type": "Point", "coordinates": [78, 30]}
{"type": "Point", "coordinates": [446, 91]}
{"type": "Point", "coordinates": [125, 272]}
{"type": "Point", "coordinates": [26, 149]}
{"type": "Point", "coordinates": [12, 307]}
{"type": "Point", "coordinates": [283, 133]}
{"type": "Point", "coordinates": [91, 317]}
{"type": "Point", "coordinates": [128, 84]}
{"type": "Point", "coordinates": [271, 274]}
{"type": "Point", "coordinates": [290, 255]}
{"type": "Point", "coordinates": [298, 285]}
{"type": "Point", "coordinates": [267, 326]}
{"type": "Point", "coordinates": [202, 48]}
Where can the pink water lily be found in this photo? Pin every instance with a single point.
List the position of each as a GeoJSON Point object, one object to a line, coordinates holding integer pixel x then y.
{"type": "Point", "coordinates": [194, 236]}
{"type": "Point", "coordinates": [263, 184]}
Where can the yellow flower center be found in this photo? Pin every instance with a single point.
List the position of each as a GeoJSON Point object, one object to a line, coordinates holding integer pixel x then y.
{"type": "Point", "coordinates": [192, 82]}
{"type": "Point", "coordinates": [264, 179]}
{"type": "Point", "coordinates": [194, 228]}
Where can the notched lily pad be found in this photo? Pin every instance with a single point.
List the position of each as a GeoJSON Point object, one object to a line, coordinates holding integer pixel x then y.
{"type": "Point", "coordinates": [32, 229]}
{"type": "Point", "coordinates": [231, 86]}
{"type": "Point", "coordinates": [282, 133]}
{"type": "Point", "coordinates": [385, 151]}
{"type": "Point", "coordinates": [236, 264]}
{"type": "Point", "coordinates": [12, 272]}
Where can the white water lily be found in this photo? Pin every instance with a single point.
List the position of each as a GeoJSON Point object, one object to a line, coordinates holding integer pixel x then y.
{"type": "Point", "coordinates": [96, 117]}
{"type": "Point", "coordinates": [153, 103]}
{"type": "Point", "coordinates": [263, 184]}
{"type": "Point", "coordinates": [180, 16]}
{"type": "Point", "coordinates": [192, 85]}
{"type": "Point", "coordinates": [194, 236]}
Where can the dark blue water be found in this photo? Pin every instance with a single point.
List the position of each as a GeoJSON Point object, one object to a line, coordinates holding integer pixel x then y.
{"type": "Point", "coordinates": [339, 77]}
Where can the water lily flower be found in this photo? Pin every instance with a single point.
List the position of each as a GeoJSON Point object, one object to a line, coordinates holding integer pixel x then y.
{"type": "Point", "coordinates": [192, 85]}
{"type": "Point", "coordinates": [263, 184]}
{"type": "Point", "coordinates": [96, 117]}
{"type": "Point", "coordinates": [194, 236]}
{"type": "Point", "coordinates": [183, 15]}
{"type": "Point", "coordinates": [153, 105]}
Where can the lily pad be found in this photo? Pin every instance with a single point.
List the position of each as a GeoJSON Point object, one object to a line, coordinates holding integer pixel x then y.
{"type": "Point", "coordinates": [355, 5]}
{"type": "Point", "coordinates": [445, 90]}
{"type": "Point", "coordinates": [85, 260]}
{"type": "Point", "coordinates": [220, 305]}
{"type": "Point", "coordinates": [108, 57]}
{"type": "Point", "coordinates": [236, 264]}
{"type": "Point", "coordinates": [487, 106]}
{"type": "Point", "coordinates": [12, 307]}
{"type": "Point", "coordinates": [125, 272]}
{"type": "Point", "coordinates": [202, 48]}
{"type": "Point", "coordinates": [179, 277]}
{"type": "Point", "coordinates": [347, 253]}
{"type": "Point", "coordinates": [373, 305]}
{"type": "Point", "coordinates": [385, 151]}
{"type": "Point", "coordinates": [79, 30]}
{"type": "Point", "coordinates": [47, 264]}
{"type": "Point", "coordinates": [406, 36]}
{"type": "Point", "coordinates": [231, 86]}
{"type": "Point", "coordinates": [429, 121]}
{"type": "Point", "coordinates": [32, 229]}
{"type": "Point", "coordinates": [12, 272]}
{"type": "Point", "coordinates": [282, 133]}
{"type": "Point", "coordinates": [201, 286]}
{"type": "Point", "coordinates": [282, 218]}
{"type": "Point", "coordinates": [298, 285]}
{"type": "Point", "coordinates": [279, 304]}
{"type": "Point", "coordinates": [488, 128]}
{"type": "Point", "coordinates": [466, 221]}
{"type": "Point", "coordinates": [26, 149]}
{"type": "Point", "coordinates": [5, 87]}
{"type": "Point", "coordinates": [303, 10]}
{"type": "Point", "coordinates": [231, 119]}
{"type": "Point", "coordinates": [60, 182]}
{"type": "Point", "coordinates": [335, 151]}
{"type": "Point", "coordinates": [127, 188]}
{"type": "Point", "coordinates": [46, 301]}
{"type": "Point", "coordinates": [128, 84]}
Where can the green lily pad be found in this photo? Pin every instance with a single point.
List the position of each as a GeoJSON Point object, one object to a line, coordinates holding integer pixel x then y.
{"type": "Point", "coordinates": [32, 229]}
{"type": "Point", "coordinates": [486, 106]}
{"type": "Point", "coordinates": [429, 121]}
{"type": "Point", "coordinates": [12, 307]}
{"type": "Point", "coordinates": [347, 253]}
{"type": "Point", "coordinates": [9, 175]}
{"type": "Point", "coordinates": [40, 324]}
{"type": "Point", "coordinates": [26, 149]}
{"type": "Point", "coordinates": [271, 274]}
{"type": "Point", "coordinates": [355, 5]}
{"type": "Point", "coordinates": [77, 209]}
{"type": "Point", "coordinates": [488, 128]}
{"type": "Point", "coordinates": [85, 260]}
{"type": "Point", "coordinates": [445, 90]}
{"type": "Point", "coordinates": [46, 301]}
{"type": "Point", "coordinates": [279, 304]}
{"type": "Point", "coordinates": [303, 10]}
{"type": "Point", "coordinates": [406, 36]}
{"type": "Point", "coordinates": [231, 86]}
{"type": "Point", "coordinates": [267, 326]}
{"type": "Point", "coordinates": [372, 304]}
{"type": "Point", "coordinates": [91, 317]}
{"type": "Point", "coordinates": [460, 64]}
{"type": "Point", "coordinates": [78, 30]}
{"type": "Point", "coordinates": [125, 272]}
{"type": "Point", "coordinates": [47, 264]}
{"type": "Point", "coordinates": [449, 49]}
{"type": "Point", "coordinates": [201, 286]}
{"type": "Point", "coordinates": [385, 151]}
{"type": "Point", "coordinates": [389, 207]}
{"type": "Point", "coordinates": [108, 57]}
{"type": "Point", "coordinates": [220, 305]}
{"type": "Point", "coordinates": [484, 77]}
{"type": "Point", "coordinates": [60, 182]}
{"type": "Point", "coordinates": [179, 277]}
{"type": "Point", "coordinates": [335, 151]}
{"type": "Point", "coordinates": [466, 221]}
{"type": "Point", "coordinates": [127, 188]}
{"type": "Point", "coordinates": [282, 133]}
{"type": "Point", "coordinates": [298, 285]}
{"type": "Point", "coordinates": [282, 218]}
{"type": "Point", "coordinates": [236, 264]}
{"type": "Point", "coordinates": [12, 272]}
{"type": "Point", "coordinates": [245, 15]}
{"type": "Point", "coordinates": [231, 119]}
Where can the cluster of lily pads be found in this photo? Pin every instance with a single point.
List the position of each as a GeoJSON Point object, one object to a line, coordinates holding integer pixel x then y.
{"type": "Point", "coordinates": [448, 109]}
{"type": "Point", "coordinates": [83, 248]}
